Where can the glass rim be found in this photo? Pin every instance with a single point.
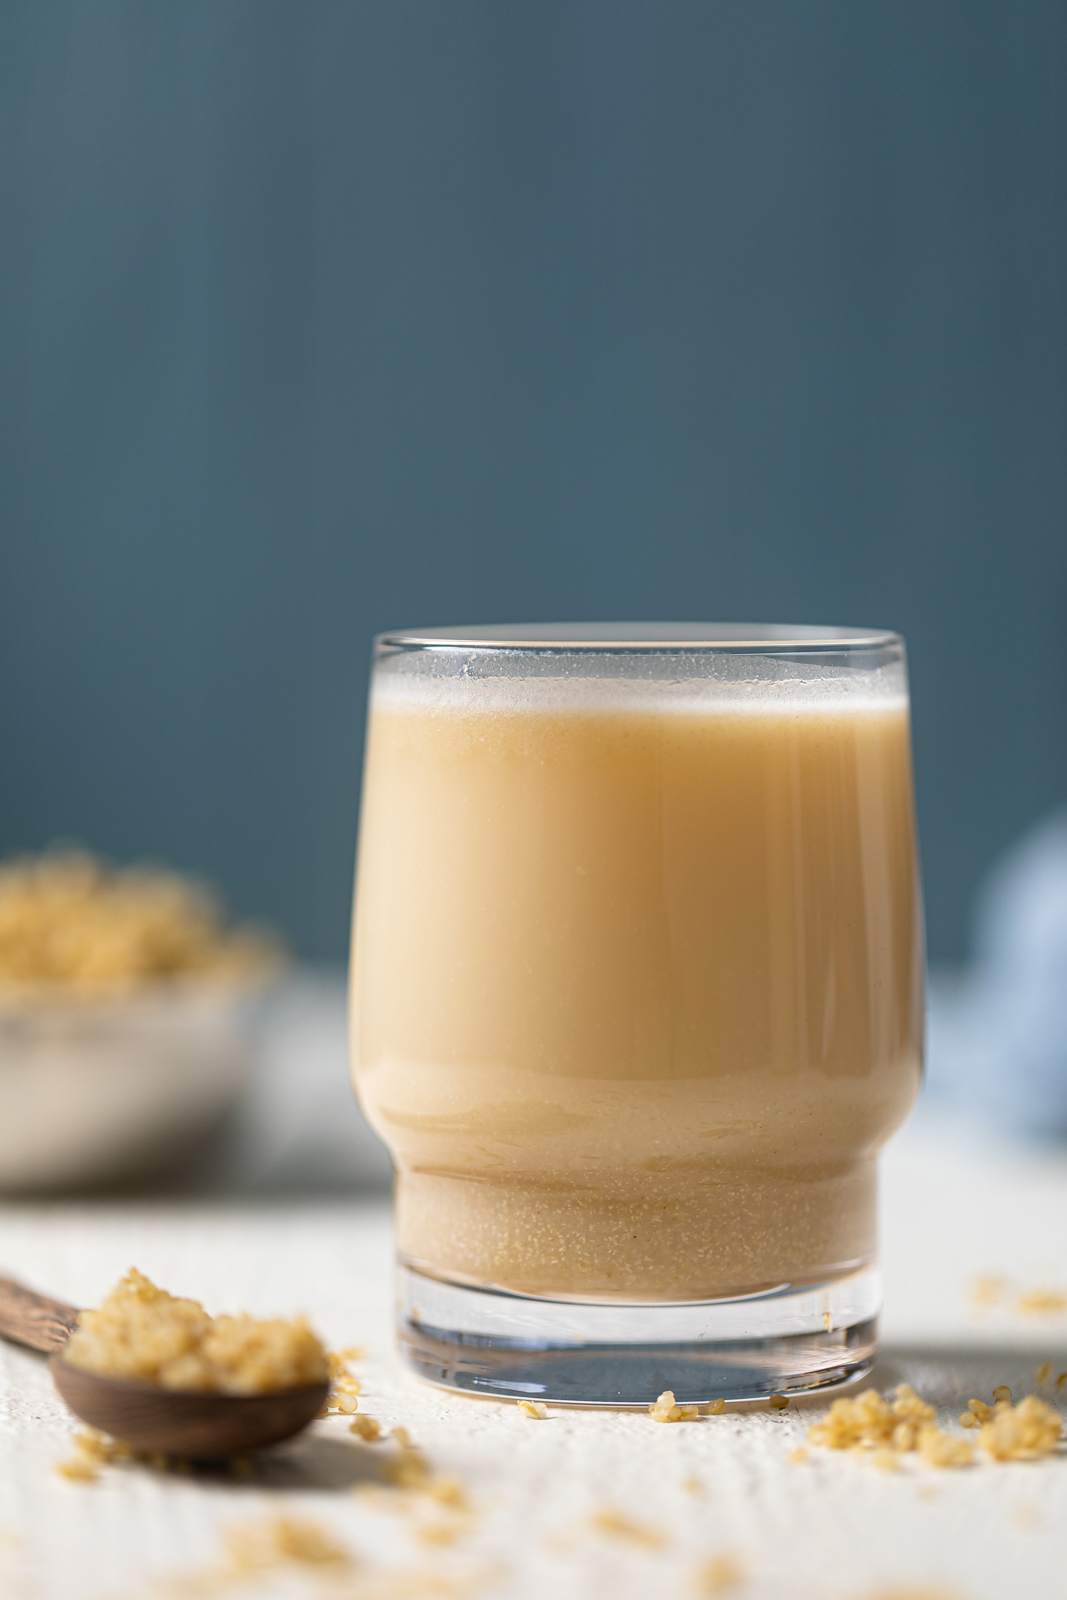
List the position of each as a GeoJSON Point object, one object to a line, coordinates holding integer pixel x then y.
{"type": "Point", "coordinates": [607, 637]}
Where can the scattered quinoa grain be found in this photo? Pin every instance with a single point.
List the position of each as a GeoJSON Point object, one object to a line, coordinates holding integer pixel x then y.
{"type": "Point", "coordinates": [1007, 1433]}
{"type": "Point", "coordinates": [93, 1450]}
{"type": "Point", "coordinates": [719, 1576]}
{"type": "Point", "coordinates": [366, 1428]}
{"type": "Point", "coordinates": [339, 1373]}
{"type": "Point", "coordinates": [344, 1385]}
{"type": "Point", "coordinates": [986, 1291]}
{"type": "Point", "coordinates": [532, 1408]}
{"type": "Point", "coordinates": [407, 1471]}
{"type": "Point", "coordinates": [778, 1402]}
{"type": "Point", "coordinates": [981, 1411]}
{"type": "Point", "coordinates": [869, 1421]}
{"type": "Point", "coordinates": [1041, 1375]}
{"type": "Point", "coordinates": [890, 1429]}
{"type": "Point", "coordinates": [1042, 1303]}
{"type": "Point", "coordinates": [449, 1492]}
{"type": "Point", "coordinates": [79, 1468]}
{"type": "Point", "coordinates": [440, 1533]}
{"type": "Point", "coordinates": [408, 1468]}
{"type": "Point", "coordinates": [1023, 1432]}
{"type": "Point", "coordinates": [91, 1442]}
{"type": "Point", "coordinates": [618, 1526]}
{"type": "Point", "coordinates": [716, 1407]}
{"type": "Point", "coordinates": [278, 1541]}
{"type": "Point", "coordinates": [939, 1449]}
{"type": "Point", "coordinates": [666, 1409]}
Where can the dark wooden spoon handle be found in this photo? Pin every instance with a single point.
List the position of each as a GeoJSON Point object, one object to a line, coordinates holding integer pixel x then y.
{"type": "Point", "coordinates": [35, 1319]}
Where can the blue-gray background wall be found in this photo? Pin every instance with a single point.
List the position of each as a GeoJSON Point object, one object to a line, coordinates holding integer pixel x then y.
{"type": "Point", "coordinates": [319, 318]}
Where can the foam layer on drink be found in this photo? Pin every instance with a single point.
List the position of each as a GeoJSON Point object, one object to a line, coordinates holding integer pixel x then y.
{"type": "Point", "coordinates": [637, 975]}
{"type": "Point", "coordinates": [455, 694]}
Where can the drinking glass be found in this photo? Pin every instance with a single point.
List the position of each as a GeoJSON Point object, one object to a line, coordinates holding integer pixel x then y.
{"type": "Point", "coordinates": [637, 997]}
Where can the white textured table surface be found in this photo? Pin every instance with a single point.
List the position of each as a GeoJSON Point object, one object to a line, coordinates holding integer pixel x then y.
{"type": "Point", "coordinates": [722, 1486]}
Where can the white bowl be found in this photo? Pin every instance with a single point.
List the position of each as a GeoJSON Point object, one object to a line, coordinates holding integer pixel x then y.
{"type": "Point", "coordinates": [96, 1091]}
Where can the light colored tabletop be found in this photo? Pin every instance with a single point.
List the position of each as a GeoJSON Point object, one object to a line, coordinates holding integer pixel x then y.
{"type": "Point", "coordinates": [584, 1503]}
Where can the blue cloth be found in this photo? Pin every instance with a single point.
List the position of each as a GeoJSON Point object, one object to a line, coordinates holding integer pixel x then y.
{"type": "Point", "coordinates": [998, 1038]}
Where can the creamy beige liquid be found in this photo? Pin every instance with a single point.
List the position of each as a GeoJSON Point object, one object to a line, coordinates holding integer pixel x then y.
{"type": "Point", "coordinates": [637, 987]}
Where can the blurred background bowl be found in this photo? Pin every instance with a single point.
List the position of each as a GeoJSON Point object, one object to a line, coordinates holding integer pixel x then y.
{"type": "Point", "coordinates": [104, 1091]}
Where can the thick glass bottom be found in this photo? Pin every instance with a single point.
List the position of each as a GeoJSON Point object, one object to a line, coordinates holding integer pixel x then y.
{"type": "Point", "coordinates": [783, 1341]}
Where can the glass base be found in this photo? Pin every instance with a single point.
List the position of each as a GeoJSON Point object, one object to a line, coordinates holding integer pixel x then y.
{"type": "Point", "coordinates": [783, 1341]}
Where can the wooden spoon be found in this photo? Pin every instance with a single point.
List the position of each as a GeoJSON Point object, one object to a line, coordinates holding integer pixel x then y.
{"type": "Point", "coordinates": [174, 1422]}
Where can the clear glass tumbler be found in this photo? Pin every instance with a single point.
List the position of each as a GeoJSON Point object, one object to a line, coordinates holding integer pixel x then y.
{"type": "Point", "coordinates": [637, 997]}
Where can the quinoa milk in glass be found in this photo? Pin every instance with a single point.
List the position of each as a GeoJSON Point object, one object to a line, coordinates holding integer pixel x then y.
{"type": "Point", "coordinates": [637, 998]}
